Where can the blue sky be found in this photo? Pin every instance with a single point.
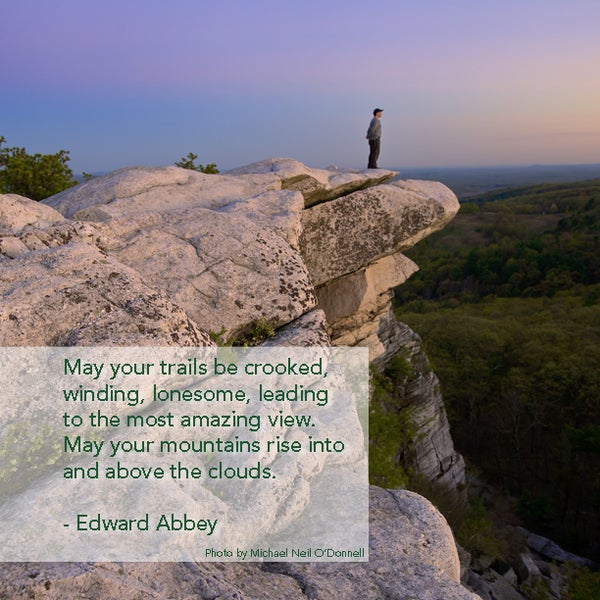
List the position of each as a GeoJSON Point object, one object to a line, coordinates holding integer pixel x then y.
{"type": "Point", "coordinates": [464, 83]}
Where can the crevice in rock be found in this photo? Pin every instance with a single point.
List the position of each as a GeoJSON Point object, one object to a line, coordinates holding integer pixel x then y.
{"type": "Point", "coordinates": [322, 196]}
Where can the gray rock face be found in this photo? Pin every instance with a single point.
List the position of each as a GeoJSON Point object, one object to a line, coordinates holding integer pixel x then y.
{"type": "Point", "coordinates": [527, 570]}
{"type": "Point", "coordinates": [359, 292]}
{"type": "Point", "coordinates": [493, 586]}
{"type": "Point", "coordinates": [164, 256]}
{"type": "Point", "coordinates": [88, 299]}
{"type": "Point", "coordinates": [358, 305]}
{"type": "Point", "coordinates": [380, 578]}
{"type": "Point", "coordinates": [226, 275]}
{"type": "Point", "coordinates": [431, 452]}
{"type": "Point", "coordinates": [353, 249]}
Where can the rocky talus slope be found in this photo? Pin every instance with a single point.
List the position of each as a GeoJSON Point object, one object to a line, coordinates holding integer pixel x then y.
{"type": "Point", "coordinates": [165, 256]}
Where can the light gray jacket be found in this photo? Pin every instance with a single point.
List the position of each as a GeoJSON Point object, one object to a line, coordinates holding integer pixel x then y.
{"type": "Point", "coordinates": [374, 130]}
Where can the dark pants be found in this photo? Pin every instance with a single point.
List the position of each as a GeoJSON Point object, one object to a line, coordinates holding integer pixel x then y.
{"type": "Point", "coordinates": [374, 146]}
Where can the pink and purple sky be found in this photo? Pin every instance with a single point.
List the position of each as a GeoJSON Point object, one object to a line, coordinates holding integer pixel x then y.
{"type": "Point", "coordinates": [144, 82]}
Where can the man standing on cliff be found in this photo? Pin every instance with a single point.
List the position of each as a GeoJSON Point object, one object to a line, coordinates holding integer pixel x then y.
{"type": "Point", "coordinates": [374, 137]}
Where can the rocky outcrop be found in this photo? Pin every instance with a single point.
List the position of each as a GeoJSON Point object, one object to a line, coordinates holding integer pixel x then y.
{"type": "Point", "coordinates": [257, 217]}
{"type": "Point", "coordinates": [359, 308]}
{"type": "Point", "coordinates": [166, 256]}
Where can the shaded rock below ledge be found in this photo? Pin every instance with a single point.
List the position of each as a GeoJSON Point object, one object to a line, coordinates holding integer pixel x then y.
{"type": "Point", "coordinates": [431, 452]}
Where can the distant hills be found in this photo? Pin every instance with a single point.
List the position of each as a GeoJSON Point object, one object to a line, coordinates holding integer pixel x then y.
{"type": "Point", "coordinates": [470, 181]}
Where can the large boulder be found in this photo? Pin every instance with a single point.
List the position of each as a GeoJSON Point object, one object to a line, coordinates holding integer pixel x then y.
{"type": "Point", "coordinates": [346, 234]}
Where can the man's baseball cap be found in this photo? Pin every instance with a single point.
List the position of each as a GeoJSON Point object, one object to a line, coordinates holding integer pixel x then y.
{"type": "Point", "coordinates": [377, 110]}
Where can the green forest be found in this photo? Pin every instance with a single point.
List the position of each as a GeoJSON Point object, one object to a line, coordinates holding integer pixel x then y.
{"type": "Point", "coordinates": [507, 301]}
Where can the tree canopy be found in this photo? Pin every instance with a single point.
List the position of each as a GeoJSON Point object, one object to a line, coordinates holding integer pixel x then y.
{"type": "Point", "coordinates": [36, 176]}
{"type": "Point", "coordinates": [507, 302]}
{"type": "Point", "coordinates": [189, 162]}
